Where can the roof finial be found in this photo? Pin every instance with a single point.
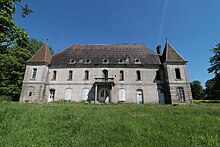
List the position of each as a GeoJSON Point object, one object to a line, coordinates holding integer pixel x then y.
{"type": "Point", "coordinates": [166, 40]}
{"type": "Point", "coordinates": [47, 40]}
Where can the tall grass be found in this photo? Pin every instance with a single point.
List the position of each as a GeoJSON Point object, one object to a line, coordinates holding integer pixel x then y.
{"type": "Point", "coordinates": [77, 124]}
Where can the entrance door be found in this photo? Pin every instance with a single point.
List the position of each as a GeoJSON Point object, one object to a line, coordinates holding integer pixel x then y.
{"type": "Point", "coordinates": [161, 96]}
{"type": "Point", "coordinates": [104, 94]}
{"type": "Point", "coordinates": [140, 97]}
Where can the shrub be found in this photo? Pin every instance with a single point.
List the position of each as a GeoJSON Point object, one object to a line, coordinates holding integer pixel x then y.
{"type": "Point", "coordinates": [5, 98]}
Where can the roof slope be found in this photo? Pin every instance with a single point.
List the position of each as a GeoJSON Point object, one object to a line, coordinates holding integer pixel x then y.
{"type": "Point", "coordinates": [170, 54]}
{"type": "Point", "coordinates": [95, 53]}
{"type": "Point", "coordinates": [42, 55]}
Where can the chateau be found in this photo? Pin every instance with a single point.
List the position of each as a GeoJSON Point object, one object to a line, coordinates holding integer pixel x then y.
{"type": "Point", "coordinates": [107, 73]}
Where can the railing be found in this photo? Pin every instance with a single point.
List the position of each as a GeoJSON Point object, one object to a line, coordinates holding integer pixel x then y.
{"type": "Point", "coordinates": [104, 80]}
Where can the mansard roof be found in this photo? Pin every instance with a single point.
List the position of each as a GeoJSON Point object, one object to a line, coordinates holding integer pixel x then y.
{"type": "Point", "coordinates": [42, 55]}
{"type": "Point", "coordinates": [171, 55]}
{"type": "Point", "coordinates": [106, 54]}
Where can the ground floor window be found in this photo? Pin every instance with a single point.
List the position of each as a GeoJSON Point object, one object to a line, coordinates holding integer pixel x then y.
{"type": "Point", "coordinates": [52, 94]}
{"type": "Point", "coordinates": [85, 93]}
{"type": "Point", "coordinates": [180, 94]}
{"type": "Point", "coordinates": [68, 94]}
{"type": "Point", "coordinates": [140, 97]}
{"type": "Point", "coordinates": [122, 95]}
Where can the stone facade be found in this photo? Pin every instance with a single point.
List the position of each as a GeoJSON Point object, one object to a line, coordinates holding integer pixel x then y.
{"type": "Point", "coordinates": [132, 79]}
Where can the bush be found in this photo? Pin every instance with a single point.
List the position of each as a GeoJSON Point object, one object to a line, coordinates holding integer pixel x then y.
{"type": "Point", "coordinates": [5, 98]}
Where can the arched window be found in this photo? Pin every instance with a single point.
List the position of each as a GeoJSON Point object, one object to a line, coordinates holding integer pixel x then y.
{"type": "Point", "coordinates": [180, 94]}
{"type": "Point", "coordinates": [68, 94]}
{"type": "Point", "coordinates": [85, 93]}
{"type": "Point", "coordinates": [122, 95]}
{"type": "Point", "coordinates": [140, 97]}
{"type": "Point", "coordinates": [105, 74]}
{"type": "Point", "coordinates": [52, 95]}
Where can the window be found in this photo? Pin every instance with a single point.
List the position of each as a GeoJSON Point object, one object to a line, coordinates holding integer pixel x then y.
{"type": "Point", "coordinates": [180, 94]}
{"type": "Point", "coordinates": [136, 60]}
{"type": "Point", "coordinates": [105, 61]}
{"type": "Point", "coordinates": [86, 75]}
{"type": "Point", "coordinates": [177, 71]}
{"type": "Point", "coordinates": [122, 95]}
{"type": "Point", "coordinates": [138, 75]}
{"type": "Point", "coordinates": [34, 74]}
{"type": "Point", "coordinates": [52, 94]}
{"type": "Point", "coordinates": [140, 98]}
{"type": "Point", "coordinates": [105, 74]}
{"type": "Point", "coordinates": [121, 75]}
{"type": "Point", "coordinates": [87, 61]}
{"type": "Point", "coordinates": [158, 75]}
{"type": "Point", "coordinates": [85, 93]}
{"type": "Point", "coordinates": [68, 94]}
{"type": "Point", "coordinates": [70, 75]}
{"type": "Point", "coordinates": [120, 61]}
{"type": "Point", "coordinates": [72, 61]}
{"type": "Point", "coordinates": [30, 94]}
{"type": "Point", "coordinates": [54, 75]}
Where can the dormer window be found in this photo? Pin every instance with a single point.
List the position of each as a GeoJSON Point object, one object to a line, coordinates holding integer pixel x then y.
{"type": "Point", "coordinates": [120, 61]}
{"type": "Point", "coordinates": [105, 61]}
{"type": "Point", "coordinates": [72, 61]}
{"type": "Point", "coordinates": [137, 60]}
{"type": "Point", "coordinates": [87, 61]}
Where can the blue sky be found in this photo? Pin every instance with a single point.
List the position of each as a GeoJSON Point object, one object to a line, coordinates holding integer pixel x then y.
{"type": "Point", "coordinates": [191, 26]}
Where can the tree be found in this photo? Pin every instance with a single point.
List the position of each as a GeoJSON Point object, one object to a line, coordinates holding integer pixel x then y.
{"type": "Point", "coordinates": [197, 90]}
{"type": "Point", "coordinates": [10, 33]}
{"type": "Point", "coordinates": [12, 69]}
{"type": "Point", "coordinates": [213, 85]}
{"type": "Point", "coordinates": [215, 60]}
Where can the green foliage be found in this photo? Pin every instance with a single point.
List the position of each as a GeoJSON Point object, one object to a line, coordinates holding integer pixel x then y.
{"type": "Point", "coordinates": [71, 124]}
{"type": "Point", "coordinates": [10, 33]}
{"type": "Point", "coordinates": [215, 60]}
{"type": "Point", "coordinates": [197, 90]}
{"type": "Point", "coordinates": [12, 69]}
{"type": "Point", "coordinates": [5, 98]}
{"type": "Point", "coordinates": [213, 88]}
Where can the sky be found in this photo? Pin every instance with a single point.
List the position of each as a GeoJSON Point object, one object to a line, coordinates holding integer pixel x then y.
{"type": "Point", "coordinates": [191, 26]}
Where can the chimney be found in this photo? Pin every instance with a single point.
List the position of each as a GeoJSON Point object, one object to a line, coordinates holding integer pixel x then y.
{"type": "Point", "coordinates": [159, 49]}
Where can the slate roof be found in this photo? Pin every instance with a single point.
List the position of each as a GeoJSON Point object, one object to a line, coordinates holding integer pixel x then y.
{"type": "Point", "coordinates": [170, 54]}
{"type": "Point", "coordinates": [42, 55]}
{"type": "Point", "coordinates": [113, 53]}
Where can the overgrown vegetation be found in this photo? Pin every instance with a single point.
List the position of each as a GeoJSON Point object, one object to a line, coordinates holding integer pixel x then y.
{"type": "Point", "coordinates": [71, 124]}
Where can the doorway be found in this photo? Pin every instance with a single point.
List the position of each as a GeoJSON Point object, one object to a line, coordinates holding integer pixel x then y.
{"type": "Point", "coordinates": [140, 98]}
{"type": "Point", "coordinates": [103, 95]}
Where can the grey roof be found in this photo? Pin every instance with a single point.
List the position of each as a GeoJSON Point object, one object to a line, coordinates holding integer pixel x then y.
{"type": "Point", "coordinates": [107, 53]}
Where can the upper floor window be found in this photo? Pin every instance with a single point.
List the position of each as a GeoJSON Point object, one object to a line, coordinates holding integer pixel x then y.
{"type": "Point", "coordinates": [34, 74]}
{"type": "Point", "coordinates": [138, 75]}
{"type": "Point", "coordinates": [121, 75]}
{"type": "Point", "coordinates": [105, 74]}
{"type": "Point", "coordinates": [70, 75]}
{"type": "Point", "coordinates": [86, 75]}
{"type": "Point", "coordinates": [54, 75]}
{"type": "Point", "coordinates": [178, 75]}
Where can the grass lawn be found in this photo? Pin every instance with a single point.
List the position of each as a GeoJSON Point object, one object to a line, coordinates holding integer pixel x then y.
{"type": "Point", "coordinates": [77, 124]}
